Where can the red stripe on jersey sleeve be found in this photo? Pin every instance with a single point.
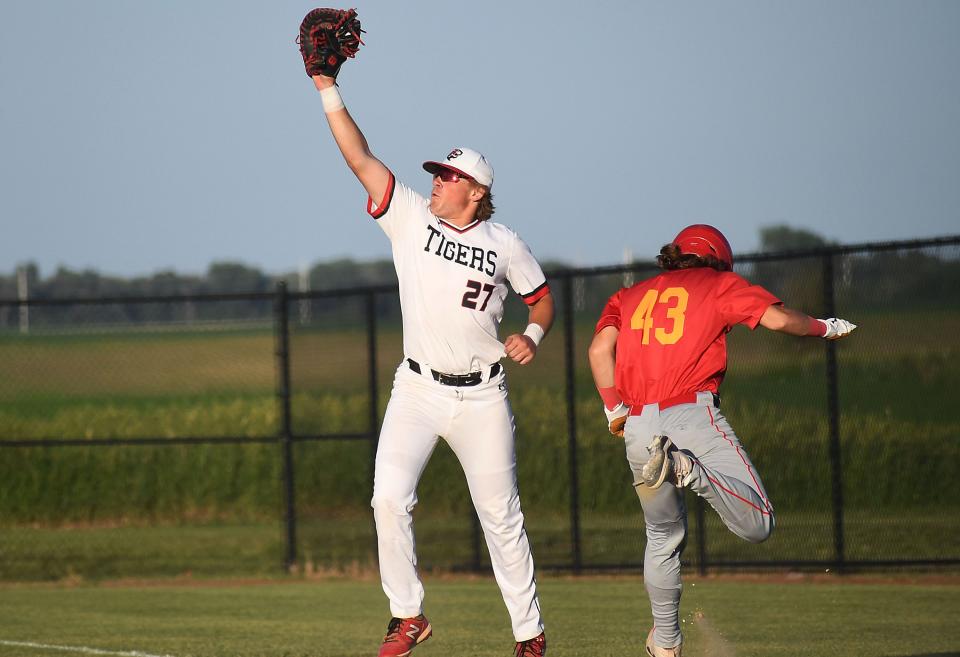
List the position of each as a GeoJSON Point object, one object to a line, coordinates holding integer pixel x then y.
{"type": "Point", "coordinates": [384, 203]}
{"type": "Point", "coordinates": [532, 297]}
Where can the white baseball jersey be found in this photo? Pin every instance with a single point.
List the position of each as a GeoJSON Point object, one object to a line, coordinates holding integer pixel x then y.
{"type": "Point", "coordinates": [453, 281]}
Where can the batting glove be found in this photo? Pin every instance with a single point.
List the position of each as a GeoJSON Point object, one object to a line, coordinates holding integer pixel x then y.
{"type": "Point", "coordinates": [617, 418]}
{"type": "Point", "coordinates": [837, 328]}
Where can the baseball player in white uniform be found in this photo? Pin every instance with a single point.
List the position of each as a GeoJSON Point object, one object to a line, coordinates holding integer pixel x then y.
{"type": "Point", "coordinates": [453, 265]}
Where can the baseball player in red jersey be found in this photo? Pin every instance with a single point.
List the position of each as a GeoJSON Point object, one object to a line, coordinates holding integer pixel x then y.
{"type": "Point", "coordinates": [658, 357]}
{"type": "Point", "coordinates": [453, 266]}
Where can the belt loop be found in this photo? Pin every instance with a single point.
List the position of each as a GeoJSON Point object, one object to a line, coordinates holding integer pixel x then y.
{"type": "Point", "coordinates": [707, 398]}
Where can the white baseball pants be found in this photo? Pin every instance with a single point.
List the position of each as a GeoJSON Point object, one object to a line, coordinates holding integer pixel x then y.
{"type": "Point", "coordinates": [478, 424]}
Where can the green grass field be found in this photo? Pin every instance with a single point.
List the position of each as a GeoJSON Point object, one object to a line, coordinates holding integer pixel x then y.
{"type": "Point", "coordinates": [587, 617]}
{"type": "Point", "coordinates": [215, 549]}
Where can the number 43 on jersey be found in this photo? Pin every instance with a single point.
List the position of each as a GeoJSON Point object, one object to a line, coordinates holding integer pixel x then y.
{"type": "Point", "coordinates": [675, 298]}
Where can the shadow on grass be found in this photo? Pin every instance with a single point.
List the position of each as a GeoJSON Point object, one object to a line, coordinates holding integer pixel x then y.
{"type": "Point", "coordinates": [953, 653]}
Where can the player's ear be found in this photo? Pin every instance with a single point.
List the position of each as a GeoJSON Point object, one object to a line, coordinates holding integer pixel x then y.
{"type": "Point", "coordinates": [478, 192]}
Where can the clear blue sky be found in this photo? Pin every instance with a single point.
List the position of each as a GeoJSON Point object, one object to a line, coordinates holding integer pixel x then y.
{"type": "Point", "coordinates": [138, 136]}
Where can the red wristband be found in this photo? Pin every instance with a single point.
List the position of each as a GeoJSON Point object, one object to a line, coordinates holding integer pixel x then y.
{"type": "Point", "coordinates": [610, 397]}
{"type": "Point", "coordinates": [816, 328]}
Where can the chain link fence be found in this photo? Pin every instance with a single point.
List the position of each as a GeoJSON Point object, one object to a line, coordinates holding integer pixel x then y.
{"type": "Point", "coordinates": [234, 435]}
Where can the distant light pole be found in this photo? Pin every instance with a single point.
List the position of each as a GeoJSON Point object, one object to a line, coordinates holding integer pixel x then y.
{"type": "Point", "coordinates": [304, 286]}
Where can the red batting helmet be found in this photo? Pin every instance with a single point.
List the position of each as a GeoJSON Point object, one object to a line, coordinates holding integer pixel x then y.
{"type": "Point", "coordinates": [704, 240]}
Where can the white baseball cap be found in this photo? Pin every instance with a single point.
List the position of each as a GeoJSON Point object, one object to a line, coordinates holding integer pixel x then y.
{"type": "Point", "coordinates": [466, 162]}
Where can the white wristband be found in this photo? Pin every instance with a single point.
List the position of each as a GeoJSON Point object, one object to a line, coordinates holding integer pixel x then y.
{"type": "Point", "coordinates": [331, 99]}
{"type": "Point", "coordinates": [535, 333]}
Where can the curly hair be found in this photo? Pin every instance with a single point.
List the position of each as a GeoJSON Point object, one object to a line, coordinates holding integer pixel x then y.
{"type": "Point", "coordinates": [486, 208]}
{"type": "Point", "coordinates": [670, 258]}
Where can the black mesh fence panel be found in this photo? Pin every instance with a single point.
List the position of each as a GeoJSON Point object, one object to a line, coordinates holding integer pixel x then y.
{"type": "Point", "coordinates": [899, 418]}
{"type": "Point", "coordinates": [162, 407]}
{"type": "Point", "coordinates": [235, 435]}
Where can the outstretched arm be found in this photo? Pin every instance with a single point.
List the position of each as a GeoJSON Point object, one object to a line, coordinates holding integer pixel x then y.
{"type": "Point", "coordinates": [793, 322]}
{"type": "Point", "coordinates": [371, 172]}
{"type": "Point", "coordinates": [522, 348]}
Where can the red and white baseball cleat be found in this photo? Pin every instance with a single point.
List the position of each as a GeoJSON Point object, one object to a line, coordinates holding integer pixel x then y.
{"type": "Point", "coordinates": [657, 651]}
{"type": "Point", "coordinates": [403, 635]}
{"type": "Point", "coordinates": [535, 647]}
{"type": "Point", "coordinates": [666, 463]}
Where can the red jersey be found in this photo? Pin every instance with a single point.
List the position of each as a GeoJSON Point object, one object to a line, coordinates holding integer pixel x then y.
{"type": "Point", "coordinates": [673, 331]}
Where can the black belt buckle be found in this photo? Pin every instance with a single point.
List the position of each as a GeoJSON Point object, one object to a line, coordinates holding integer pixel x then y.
{"type": "Point", "coordinates": [456, 380]}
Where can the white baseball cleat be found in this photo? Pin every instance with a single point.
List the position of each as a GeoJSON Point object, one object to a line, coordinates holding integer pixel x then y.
{"type": "Point", "coordinates": [666, 463]}
{"type": "Point", "coordinates": [657, 651]}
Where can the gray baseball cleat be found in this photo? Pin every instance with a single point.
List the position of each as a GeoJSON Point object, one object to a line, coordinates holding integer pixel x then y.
{"type": "Point", "coordinates": [666, 463]}
{"type": "Point", "coordinates": [657, 651]}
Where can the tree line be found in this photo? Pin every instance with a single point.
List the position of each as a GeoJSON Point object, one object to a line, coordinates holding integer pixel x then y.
{"type": "Point", "coordinates": [908, 277]}
{"type": "Point", "coordinates": [236, 277]}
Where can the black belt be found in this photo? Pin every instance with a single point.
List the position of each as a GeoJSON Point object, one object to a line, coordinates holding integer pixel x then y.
{"type": "Point", "coordinates": [456, 380]}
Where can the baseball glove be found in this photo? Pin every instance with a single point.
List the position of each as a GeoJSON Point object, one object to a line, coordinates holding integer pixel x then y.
{"type": "Point", "coordinates": [327, 38]}
{"type": "Point", "coordinates": [617, 418]}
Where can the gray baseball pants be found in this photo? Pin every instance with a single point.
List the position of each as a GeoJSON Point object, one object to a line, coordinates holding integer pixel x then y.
{"type": "Point", "coordinates": [722, 474]}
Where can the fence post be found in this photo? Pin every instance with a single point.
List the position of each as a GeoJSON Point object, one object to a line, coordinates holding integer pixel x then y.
{"type": "Point", "coordinates": [833, 409]}
{"type": "Point", "coordinates": [701, 537]}
{"type": "Point", "coordinates": [570, 361]}
{"type": "Point", "coordinates": [475, 535]}
{"type": "Point", "coordinates": [373, 390]}
{"type": "Point", "coordinates": [282, 328]}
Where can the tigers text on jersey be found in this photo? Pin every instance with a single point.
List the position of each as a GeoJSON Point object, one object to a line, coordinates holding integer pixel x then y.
{"type": "Point", "coordinates": [453, 281]}
{"type": "Point", "coordinates": [673, 331]}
